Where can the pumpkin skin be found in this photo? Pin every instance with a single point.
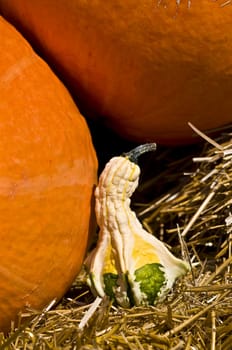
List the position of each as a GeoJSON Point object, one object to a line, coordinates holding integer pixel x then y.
{"type": "Point", "coordinates": [142, 67]}
{"type": "Point", "coordinates": [48, 169]}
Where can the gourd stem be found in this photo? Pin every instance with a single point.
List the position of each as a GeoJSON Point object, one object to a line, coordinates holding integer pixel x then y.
{"type": "Point", "coordinates": [136, 152]}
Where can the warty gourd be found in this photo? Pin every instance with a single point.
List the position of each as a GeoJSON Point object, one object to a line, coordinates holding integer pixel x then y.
{"type": "Point", "coordinates": [128, 264]}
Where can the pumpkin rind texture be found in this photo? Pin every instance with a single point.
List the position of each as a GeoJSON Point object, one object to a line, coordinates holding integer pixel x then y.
{"type": "Point", "coordinates": [145, 68]}
{"type": "Point", "coordinates": [48, 169]}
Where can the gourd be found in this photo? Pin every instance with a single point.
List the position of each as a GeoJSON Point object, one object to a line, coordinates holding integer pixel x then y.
{"type": "Point", "coordinates": [145, 68]}
{"type": "Point", "coordinates": [48, 169]}
{"type": "Point", "coordinates": [129, 265]}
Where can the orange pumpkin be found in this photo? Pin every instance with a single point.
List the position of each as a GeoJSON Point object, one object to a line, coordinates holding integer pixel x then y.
{"type": "Point", "coordinates": [48, 170]}
{"type": "Point", "coordinates": [143, 67]}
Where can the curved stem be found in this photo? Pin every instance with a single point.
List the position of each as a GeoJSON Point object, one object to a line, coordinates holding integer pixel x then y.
{"type": "Point", "coordinates": [135, 153]}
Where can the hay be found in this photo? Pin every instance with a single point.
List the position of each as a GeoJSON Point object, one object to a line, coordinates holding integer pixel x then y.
{"type": "Point", "coordinates": [188, 205]}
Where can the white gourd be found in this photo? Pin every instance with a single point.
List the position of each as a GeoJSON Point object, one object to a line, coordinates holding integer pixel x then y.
{"type": "Point", "coordinates": [129, 264]}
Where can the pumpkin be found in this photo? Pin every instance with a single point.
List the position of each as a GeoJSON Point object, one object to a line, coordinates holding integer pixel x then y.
{"type": "Point", "coordinates": [144, 68]}
{"type": "Point", "coordinates": [129, 264]}
{"type": "Point", "coordinates": [48, 170]}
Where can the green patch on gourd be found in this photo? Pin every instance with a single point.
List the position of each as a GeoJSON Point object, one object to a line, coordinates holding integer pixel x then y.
{"type": "Point", "coordinates": [151, 279]}
{"type": "Point", "coordinates": [110, 283]}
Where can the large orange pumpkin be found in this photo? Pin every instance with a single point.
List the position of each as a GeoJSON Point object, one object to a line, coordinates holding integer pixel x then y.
{"type": "Point", "coordinates": [47, 174]}
{"type": "Point", "coordinates": [144, 67]}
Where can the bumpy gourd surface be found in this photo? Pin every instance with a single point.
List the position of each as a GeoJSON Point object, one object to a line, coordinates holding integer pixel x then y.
{"type": "Point", "coordinates": [128, 264]}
